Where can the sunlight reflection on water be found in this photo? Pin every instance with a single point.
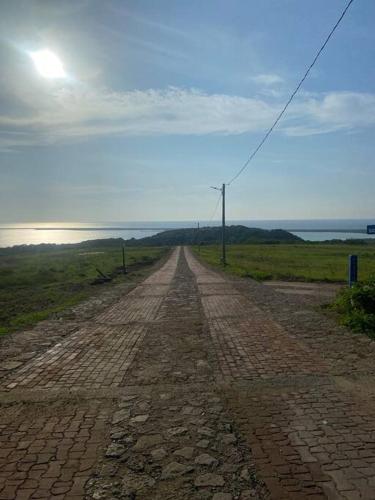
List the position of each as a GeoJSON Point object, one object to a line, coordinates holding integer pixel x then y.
{"type": "Point", "coordinates": [75, 232]}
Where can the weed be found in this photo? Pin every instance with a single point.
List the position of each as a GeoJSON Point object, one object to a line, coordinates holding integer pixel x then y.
{"type": "Point", "coordinates": [356, 307]}
{"type": "Point", "coordinates": [302, 262]}
{"type": "Point", "coordinates": [36, 284]}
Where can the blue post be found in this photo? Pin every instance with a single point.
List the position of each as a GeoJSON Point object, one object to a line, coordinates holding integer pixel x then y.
{"type": "Point", "coordinates": [353, 269]}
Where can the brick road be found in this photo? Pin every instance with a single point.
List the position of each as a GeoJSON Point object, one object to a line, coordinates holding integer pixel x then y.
{"type": "Point", "coordinates": [312, 435]}
{"type": "Point", "coordinates": [193, 385]}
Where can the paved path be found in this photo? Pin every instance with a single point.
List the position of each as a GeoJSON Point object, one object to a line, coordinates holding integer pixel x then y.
{"type": "Point", "coordinates": [193, 386]}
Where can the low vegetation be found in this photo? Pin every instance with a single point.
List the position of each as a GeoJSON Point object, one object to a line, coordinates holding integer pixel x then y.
{"type": "Point", "coordinates": [356, 307]}
{"type": "Point", "coordinates": [36, 281]}
{"type": "Point", "coordinates": [293, 262]}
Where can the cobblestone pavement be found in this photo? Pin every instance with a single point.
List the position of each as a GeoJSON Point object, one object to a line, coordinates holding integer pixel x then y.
{"type": "Point", "coordinates": [193, 385]}
{"type": "Point", "coordinates": [53, 425]}
{"type": "Point", "coordinates": [312, 434]}
{"type": "Point", "coordinates": [171, 435]}
{"type": "Point", "coordinates": [49, 452]}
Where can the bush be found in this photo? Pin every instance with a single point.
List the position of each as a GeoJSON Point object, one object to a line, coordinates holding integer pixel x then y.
{"type": "Point", "coordinates": [356, 306]}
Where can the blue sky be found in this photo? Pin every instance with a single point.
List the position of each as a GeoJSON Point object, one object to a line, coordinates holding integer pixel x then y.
{"type": "Point", "coordinates": [163, 99]}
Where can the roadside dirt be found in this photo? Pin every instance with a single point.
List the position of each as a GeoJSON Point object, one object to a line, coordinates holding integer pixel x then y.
{"type": "Point", "coordinates": [312, 293]}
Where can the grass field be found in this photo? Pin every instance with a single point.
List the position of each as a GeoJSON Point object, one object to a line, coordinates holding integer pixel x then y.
{"type": "Point", "coordinates": [34, 284]}
{"type": "Point", "coordinates": [301, 262]}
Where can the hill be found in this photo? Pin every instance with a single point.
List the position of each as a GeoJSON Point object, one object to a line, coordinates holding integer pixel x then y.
{"type": "Point", "coordinates": [172, 237]}
{"type": "Point", "coordinates": [210, 235]}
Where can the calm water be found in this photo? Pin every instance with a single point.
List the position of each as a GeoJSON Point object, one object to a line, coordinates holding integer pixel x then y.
{"type": "Point", "coordinates": [74, 232]}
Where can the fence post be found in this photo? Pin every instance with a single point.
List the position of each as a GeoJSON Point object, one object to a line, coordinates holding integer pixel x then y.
{"type": "Point", "coordinates": [353, 269]}
{"type": "Point", "coordinates": [123, 260]}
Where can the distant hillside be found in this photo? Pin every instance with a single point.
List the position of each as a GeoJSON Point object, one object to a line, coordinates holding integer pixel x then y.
{"type": "Point", "coordinates": [209, 235]}
{"type": "Point", "coordinates": [189, 236]}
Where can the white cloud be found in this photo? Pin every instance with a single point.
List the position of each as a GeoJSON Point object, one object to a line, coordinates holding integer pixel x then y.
{"type": "Point", "coordinates": [267, 79]}
{"type": "Point", "coordinates": [331, 112]}
{"type": "Point", "coordinates": [72, 113]}
{"type": "Point", "coordinates": [75, 113]}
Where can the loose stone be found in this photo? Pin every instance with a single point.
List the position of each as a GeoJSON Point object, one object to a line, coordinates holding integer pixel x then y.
{"type": "Point", "coordinates": [135, 464]}
{"type": "Point", "coordinates": [177, 431]}
{"type": "Point", "coordinates": [144, 406]}
{"type": "Point", "coordinates": [109, 470]}
{"type": "Point", "coordinates": [186, 452]}
{"type": "Point", "coordinates": [158, 454]}
{"type": "Point", "coordinates": [203, 443]}
{"type": "Point", "coordinates": [209, 480]}
{"type": "Point", "coordinates": [205, 431]}
{"type": "Point", "coordinates": [214, 399]}
{"type": "Point", "coordinates": [165, 396]}
{"type": "Point", "coordinates": [245, 475]}
{"type": "Point", "coordinates": [206, 459]}
{"type": "Point", "coordinates": [139, 419]}
{"type": "Point", "coordinates": [201, 363]}
{"type": "Point", "coordinates": [120, 415]}
{"type": "Point", "coordinates": [118, 434]}
{"type": "Point", "coordinates": [228, 439]}
{"type": "Point", "coordinates": [130, 397]}
{"type": "Point", "coordinates": [114, 450]}
{"type": "Point", "coordinates": [145, 442]}
{"type": "Point", "coordinates": [222, 496]}
{"type": "Point", "coordinates": [136, 482]}
{"type": "Point", "coordinates": [231, 468]}
{"type": "Point", "coordinates": [215, 409]}
{"type": "Point", "coordinates": [187, 410]}
{"type": "Point", "coordinates": [175, 469]}
{"type": "Point", "coordinates": [248, 494]}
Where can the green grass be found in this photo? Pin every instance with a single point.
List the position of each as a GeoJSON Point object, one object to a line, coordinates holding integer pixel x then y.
{"type": "Point", "coordinates": [299, 262]}
{"type": "Point", "coordinates": [356, 307]}
{"type": "Point", "coordinates": [38, 283]}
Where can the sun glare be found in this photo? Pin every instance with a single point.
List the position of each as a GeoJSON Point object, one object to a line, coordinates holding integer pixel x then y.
{"type": "Point", "coordinates": [48, 64]}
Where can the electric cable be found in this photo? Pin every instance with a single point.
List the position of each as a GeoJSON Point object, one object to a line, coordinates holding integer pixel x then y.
{"type": "Point", "coordinates": [268, 133]}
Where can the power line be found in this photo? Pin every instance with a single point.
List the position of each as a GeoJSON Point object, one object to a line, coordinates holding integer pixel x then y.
{"type": "Point", "coordinates": [215, 210]}
{"type": "Point", "coordinates": [268, 133]}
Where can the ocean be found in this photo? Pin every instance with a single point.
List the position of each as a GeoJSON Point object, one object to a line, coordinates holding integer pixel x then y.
{"type": "Point", "coordinates": [75, 232]}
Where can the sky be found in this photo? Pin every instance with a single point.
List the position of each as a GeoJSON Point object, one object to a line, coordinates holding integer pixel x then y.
{"type": "Point", "coordinates": [162, 100]}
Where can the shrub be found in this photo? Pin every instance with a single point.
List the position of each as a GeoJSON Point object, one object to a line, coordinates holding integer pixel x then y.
{"type": "Point", "coordinates": [356, 307]}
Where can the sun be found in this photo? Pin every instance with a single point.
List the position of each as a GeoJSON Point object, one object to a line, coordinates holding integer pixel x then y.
{"type": "Point", "coordinates": [48, 64]}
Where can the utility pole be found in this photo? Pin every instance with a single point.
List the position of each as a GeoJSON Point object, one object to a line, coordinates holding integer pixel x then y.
{"type": "Point", "coordinates": [223, 243]}
{"type": "Point", "coordinates": [224, 258]}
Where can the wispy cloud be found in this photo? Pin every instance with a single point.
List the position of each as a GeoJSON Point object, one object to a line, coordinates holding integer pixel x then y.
{"type": "Point", "coordinates": [74, 113]}
{"type": "Point", "coordinates": [331, 112]}
{"type": "Point", "coordinates": [267, 79]}
{"type": "Point", "coordinates": [123, 10]}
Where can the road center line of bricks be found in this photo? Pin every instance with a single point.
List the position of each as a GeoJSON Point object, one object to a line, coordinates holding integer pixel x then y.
{"type": "Point", "coordinates": [185, 388]}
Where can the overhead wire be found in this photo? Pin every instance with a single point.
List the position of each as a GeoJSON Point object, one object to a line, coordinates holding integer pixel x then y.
{"type": "Point", "coordinates": [279, 116]}
{"type": "Point", "coordinates": [215, 209]}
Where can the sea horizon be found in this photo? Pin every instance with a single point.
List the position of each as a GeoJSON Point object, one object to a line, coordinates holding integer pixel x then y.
{"type": "Point", "coordinates": [25, 233]}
